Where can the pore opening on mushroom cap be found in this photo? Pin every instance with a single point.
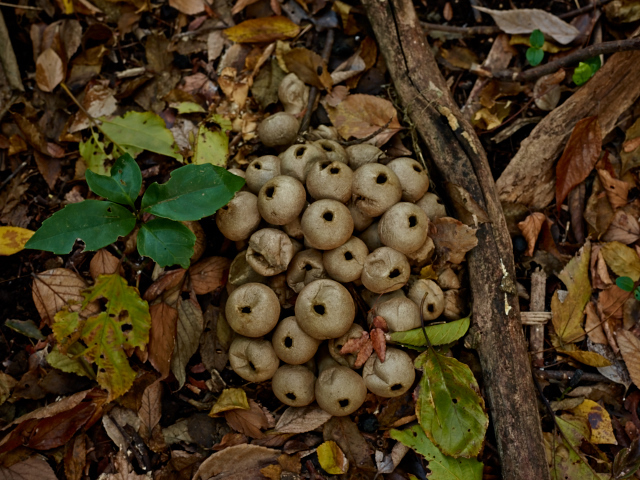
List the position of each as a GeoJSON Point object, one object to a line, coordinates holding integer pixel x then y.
{"type": "Point", "coordinates": [288, 342]}
{"type": "Point", "coordinates": [381, 178]}
{"type": "Point", "coordinates": [413, 221]}
{"type": "Point", "coordinates": [291, 396]}
{"type": "Point", "coordinates": [394, 273]}
{"type": "Point", "coordinates": [245, 309]}
{"type": "Point", "coordinates": [319, 309]}
{"type": "Point", "coordinates": [344, 403]}
{"type": "Point", "coordinates": [348, 255]}
{"type": "Point", "coordinates": [328, 216]}
{"type": "Point", "coordinates": [396, 386]}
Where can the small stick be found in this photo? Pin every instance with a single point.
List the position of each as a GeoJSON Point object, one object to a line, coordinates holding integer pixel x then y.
{"type": "Point", "coordinates": [568, 375]}
{"type": "Point", "coordinates": [536, 332]}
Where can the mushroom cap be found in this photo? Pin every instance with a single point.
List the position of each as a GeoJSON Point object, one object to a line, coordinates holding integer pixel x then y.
{"type": "Point", "coordinates": [253, 359]}
{"type": "Point", "coordinates": [291, 344]}
{"type": "Point", "coordinates": [360, 220]}
{"type": "Point", "coordinates": [385, 270]}
{"type": "Point", "coordinates": [375, 189]}
{"type": "Point", "coordinates": [269, 252]}
{"type": "Point", "coordinates": [371, 237]}
{"type": "Point", "coordinates": [281, 200]}
{"type": "Point", "coordinates": [414, 178]}
{"type": "Point", "coordinates": [362, 154]}
{"type": "Point", "coordinates": [403, 227]}
{"type": "Point", "coordinates": [420, 257]}
{"type": "Point", "coordinates": [340, 391]}
{"type": "Point", "coordinates": [333, 150]}
{"type": "Point", "coordinates": [401, 314]}
{"type": "Point", "coordinates": [433, 298]}
{"type": "Point", "coordinates": [278, 283]}
{"type": "Point", "coordinates": [294, 229]}
{"type": "Point", "coordinates": [431, 204]}
{"type": "Point", "coordinates": [239, 218]}
{"type": "Point", "coordinates": [336, 344]}
{"type": "Point", "coordinates": [278, 130]}
{"type": "Point", "coordinates": [345, 263]}
{"type": "Point", "coordinates": [326, 224]}
{"type": "Point", "coordinates": [252, 310]}
{"type": "Point", "coordinates": [447, 279]}
{"type": "Point", "coordinates": [332, 180]}
{"type": "Point", "coordinates": [260, 171]}
{"type": "Point", "coordinates": [390, 378]}
{"type": "Point", "coordinates": [324, 309]}
{"type": "Point", "coordinates": [294, 385]}
{"type": "Point", "coordinates": [305, 267]}
{"type": "Point", "coordinates": [372, 299]}
{"type": "Point", "coordinates": [293, 94]}
{"type": "Point", "coordinates": [296, 160]}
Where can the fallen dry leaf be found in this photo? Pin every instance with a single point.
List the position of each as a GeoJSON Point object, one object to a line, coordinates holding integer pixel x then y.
{"type": "Point", "coordinates": [188, 331]}
{"type": "Point", "coordinates": [263, 30]}
{"type": "Point", "coordinates": [188, 7]}
{"type": "Point", "coordinates": [530, 228]}
{"type": "Point", "coordinates": [75, 458]}
{"type": "Point", "coordinates": [468, 210]}
{"type": "Point", "coordinates": [309, 67]}
{"type": "Point", "coordinates": [302, 419]}
{"type": "Point", "coordinates": [332, 459]}
{"type": "Point", "coordinates": [592, 359]}
{"type": "Point", "coordinates": [630, 348]}
{"type": "Point", "coordinates": [579, 157]}
{"type": "Point", "coordinates": [49, 168]}
{"type": "Point", "coordinates": [592, 325]}
{"type": "Point", "coordinates": [53, 289]}
{"type": "Point", "coordinates": [452, 239]}
{"type": "Point", "coordinates": [36, 139]}
{"type": "Point", "coordinates": [599, 421]}
{"type": "Point", "coordinates": [345, 433]}
{"type": "Point", "coordinates": [150, 410]}
{"type": "Point", "coordinates": [547, 91]}
{"type": "Point", "coordinates": [623, 260]}
{"type": "Point", "coordinates": [166, 282]}
{"type": "Point", "coordinates": [623, 228]}
{"type": "Point", "coordinates": [62, 405]}
{"type": "Point", "coordinates": [611, 302]}
{"type": "Point", "coordinates": [99, 101]}
{"type": "Point", "coordinates": [230, 399]}
{"type": "Point", "coordinates": [243, 460]}
{"type": "Point", "coordinates": [209, 274]}
{"type": "Point", "coordinates": [249, 422]}
{"type": "Point", "coordinates": [379, 343]}
{"type": "Point", "coordinates": [29, 469]}
{"type": "Point", "coordinates": [104, 263]}
{"type": "Point", "coordinates": [12, 239]}
{"type": "Point", "coordinates": [49, 70]}
{"type": "Point", "coordinates": [164, 319]}
{"type": "Point", "coordinates": [617, 190]}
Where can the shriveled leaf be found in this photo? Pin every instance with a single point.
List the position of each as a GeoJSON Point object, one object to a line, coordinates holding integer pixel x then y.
{"type": "Point", "coordinates": [25, 327]}
{"type": "Point", "coordinates": [123, 186]}
{"type": "Point", "coordinates": [49, 70]}
{"type": "Point", "coordinates": [263, 30]}
{"type": "Point", "coordinates": [124, 469]}
{"type": "Point", "coordinates": [623, 260]}
{"type": "Point", "coordinates": [592, 325]}
{"type": "Point", "coordinates": [579, 157]}
{"type": "Point", "coordinates": [302, 419]}
{"type": "Point", "coordinates": [56, 431]}
{"type": "Point", "coordinates": [588, 358]}
{"type": "Point", "coordinates": [378, 342]}
{"type": "Point", "coordinates": [441, 466]}
{"type": "Point", "coordinates": [530, 228]}
{"type": "Point", "coordinates": [75, 459]}
{"type": "Point", "coordinates": [250, 422]}
{"type": "Point", "coordinates": [630, 349]}
{"type": "Point", "coordinates": [188, 7]}
{"type": "Point", "coordinates": [7, 382]}
{"type": "Point", "coordinates": [630, 154]}
{"type": "Point", "coordinates": [53, 289]}
{"type": "Point", "coordinates": [438, 334]}
{"type": "Point", "coordinates": [142, 130]}
{"type": "Point", "coordinates": [167, 242]}
{"type": "Point", "coordinates": [332, 459]}
{"type": "Point", "coordinates": [189, 329]}
{"type": "Point", "coordinates": [242, 460]}
{"type": "Point", "coordinates": [13, 239]}
{"type": "Point", "coordinates": [212, 146]}
{"type": "Point", "coordinates": [36, 139]}
{"type": "Point", "coordinates": [64, 404]}
{"type": "Point", "coordinates": [71, 361]}
{"type": "Point", "coordinates": [623, 228]}
{"type": "Point", "coordinates": [309, 67]}
{"type": "Point", "coordinates": [209, 274]}
{"type": "Point", "coordinates": [627, 461]}
{"type": "Point", "coordinates": [617, 372]}
{"type": "Point", "coordinates": [30, 469]}
{"type": "Point", "coordinates": [230, 399]}
{"type": "Point", "coordinates": [150, 409]}
{"type": "Point", "coordinates": [96, 223]}
{"type": "Point", "coordinates": [345, 433]}
{"type": "Point", "coordinates": [526, 20]}
{"type": "Point", "coordinates": [192, 192]}
{"type": "Point", "coordinates": [599, 421]}
{"type": "Point", "coordinates": [617, 190]}
{"type": "Point", "coordinates": [98, 101]}
{"type": "Point", "coordinates": [449, 407]}
{"type": "Point", "coordinates": [468, 210]}
{"type": "Point", "coordinates": [49, 168]}
{"type": "Point", "coordinates": [452, 239]}
{"type": "Point", "coordinates": [162, 337]}
{"type": "Point", "coordinates": [568, 315]}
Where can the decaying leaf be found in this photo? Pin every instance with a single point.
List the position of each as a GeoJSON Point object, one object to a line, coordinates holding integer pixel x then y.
{"type": "Point", "coordinates": [332, 459]}
{"type": "Point", "coordinates": [209, 274]}
{"type": "Point", "coordinates": [623, 228]}
{"type": "Point", "coordinates": [188, 7]}
{"type": "Point", "coordinates": [623, 260]}
{"type": "Point", "coordinates": [592, 359]}
{"type": "Point", "coordinates": [150, 409]}
{"type": "Point", "coordinates": [189, 329]}
{"type": "Point", "coordinates": [12, 239]}
{"type": "Point", "coordinates": [530, 228]}
{"type": "Point", "coordinates": [630, 348]}
{"type": "Point", "coordinates": [263, 30]}
{"type": "Point", "coordinates": [243, 460]}
{"type": "Point", "coordinates": [230, 399]}
{"type": "Point", "coordinates": [617, 190]}
{"type": "Point", "coordinates": [599, 421]}
{"type": "Point", "coordinates": [468, 210]}
{"type": "Point", "coordinates": [592, 325]}
{"type": "Point", "coordinates": [630, 154]}
{"type": "Point", "coordinates": [345, 433]}
{"type": "Point", "coordinates": [302, 419]}
{"type": "Point", "coordinates": [249, 422]}
{"type": "Point", "coordinates": [54, 289]}
{"type": "Point", "coordinates": [104, 263]}
{"type": "Point", "coordinates": [49, 70]}
{"type": "Point", "coordinates": [452, 239]}
{"type": "Point", "coordinates": [309, 67]}
{"type": "Point", "coordinates": [29, 469]}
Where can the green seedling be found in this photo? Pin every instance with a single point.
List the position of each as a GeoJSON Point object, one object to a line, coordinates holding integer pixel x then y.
{"type": "Point", "coordinates": [535, 55]}
{"type": "Point", "coordinates": [627, 284]}
{"type": "Point", "coordinates": [585, 70]}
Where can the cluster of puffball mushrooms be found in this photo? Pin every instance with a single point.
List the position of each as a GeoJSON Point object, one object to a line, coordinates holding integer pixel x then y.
{"type": "Point", "coordinates": [314, 218]}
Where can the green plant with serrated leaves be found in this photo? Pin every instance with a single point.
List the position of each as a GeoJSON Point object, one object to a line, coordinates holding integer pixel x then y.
{"type": "Point", "coordinates": [585, 70]}
{"type": "Point", "coordinates": [192, 192]}
{"type": "Point", "coordinates": [628, 285]}
{"type": "Point", "coordinates": [535, 54]}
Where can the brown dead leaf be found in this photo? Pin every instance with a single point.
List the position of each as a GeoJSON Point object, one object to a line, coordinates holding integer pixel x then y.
{"type": "Point", "coordinates": [215, 340]}
{"type": "Point", "coordinates": [75, 458]}
{"type": "Point", "coordinates": [350, 68]}
{"type": "Point", "coordinates": [345, 433]}
{"type": "Point", "coordinates": [164, 319]}
{"type": "Point", "coordinates": [124, 469]}
{"type": "Point", "coordinates": [361, 115]}
{"type": "Point", "coordinates": [49, 70]}
{"type": "Point", "coordinates": [250, 422]}
{"type": "Point", "coordinates": [150, 409]}
{"type": "Point", "coordinates": [600, 277]}
{"type": "Point", "coordinates": [469, 211]}
{"type": "Point", "coordinates": [530, 228]}
{"type": "Point", "coordinates": [53, 289]}
{"type": "Point", "coordinates": [302, 419]}
{"type": "Point", "coordinates": [309, 67]}
{"type": "Point", "coordinates": [98, 101]}
{"type": "Point", "coordinates": [611, 302]}
{"type": "Point", "coordinates": [592, 359]}
{"type": "Point", "coordinates": [188, 7]}
{"type": "Point", "coordinates": [104, 263]}
{"type": "Point", "coordinates": [452, 238]}
{"type": "Point", "coordinates": [66, 403]}
{"type": "Point", "coordinates": [240, 4]}
{"type": "Point", "coordinates": [49, 168]}
{"type": "Point", "coordinates": [623, 228]}
{"type": "Point", "coordinates": [379, 343]}
{"type": "Point", "coordinates": [617, 190]}
{"type": "Point", "coordinates": [240, 461]}
{"type": "Point", "coordinates": [593, 326]}
{"type": "Point", "coordinates": [547, 90]}
{"type": "Point", "coordinates": [263, 30]}
{"type": "Point", "coordinates": [630, 349]}
{"type": "Point", "coordinates": [36, 139]}
{"type": "Point", "coordinates": [32, 468]}
{"type": "Point", "coordinates": [209, 274]}
{"type": "Point", "coordinates": [189, 329]}
{"type": "Point", "coordinates": [55, 431]}
{"type": "Point", "coordinates": [579, 157]}
{"type": "Point", "coordinates": [168, 281]}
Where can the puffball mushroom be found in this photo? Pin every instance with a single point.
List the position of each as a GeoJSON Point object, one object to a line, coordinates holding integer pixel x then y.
{"type": "Point", "coordinates": [305, 267]}
{"type": "Point", "coordinates": [336, 344]}
{"type": "Point", "coordinates": [385, 270]}
{"type": "Point", "coordinates": [431, 204]}
{"type": "Point", "coordinates": [433, 298]}
{"type": "Point", "coordinates": [400, 313]}
{"type": "Point", "coordinates": [360, 220]}
{"type": "Point", "coordinates": [454, 305]}
{"type": "Point", "coordinates": [239, 218]}
{"type": "Point", "coordinates": [253, 359]}
{"type": "Point", "coordinates": [260, 171]}
{"type": "Point", "coordinates": [403, 227]}
{"type": "Point", "coordinates": [375, 189]}
{"type": "Point", "coordinates": [371, 237]}
{"type": "Point", "coordinates": [291, 344]}
{"type": "Point", "coordinates": [344, 264]}
{"type": "Point", "coordinates": [252, 310]}
{"type": "Point", "coordinates": [340, 391]}
{"type": "Point", "coordinates": [278, 130]}
{"type": "Point", "coordinates": [390, 378]}
{"type": "Point", "coordinates": [281, 200]}
{"type": "Point", "coordinates": [326, 224]}
{"type": "Point", "coordinates": [331, 180]}
{"type": "Point", "coordinates": [362, 154]}
{"type": "Point", "coordinates": [269, 252]}
{"type": "Point", "coordinates": [420, 257]}
{"type": "Point", "coordinates": [333, 150]}
{"type": "Point", "coordinates": [372, 299]}
{"type": "Point", "coordinates": [447, 279]}
{"type": "Point", "coordinates": [294, 385]}
{"type": "Point", "coordinates": [324, 309]}
{"type": "Point", "coordinates": [298, 159]}
{"type": "Point", "coordinates": [293, 94]}
{"type": "Point", "coordinates": [414, 179]}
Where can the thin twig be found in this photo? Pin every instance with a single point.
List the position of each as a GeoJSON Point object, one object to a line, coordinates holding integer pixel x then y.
{"type": "Point", "coordinates": [13, 174]}
{"type": "Point", "coordinates": [24, 7]}
{"type": "Point", "coordinates": [568, 375]}
{"type": "Point", "coordinates": [367, 138]}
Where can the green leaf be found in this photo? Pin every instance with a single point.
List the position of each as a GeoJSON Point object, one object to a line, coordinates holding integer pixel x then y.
{"type": "Point", "coordinates": [187, 107]}
{"type": "Point", "coordinates": [449, 407]}
{"type": "Point", "coordinates": [92, 151]}
{"type": "Point", "coordinates": [438, 334]}
{"type": "Point", "coordinates": [192, 192]}
{"type": "Point", "coordinates": [123, 186]}
{"type": "Point", "coordinates": [534, 56]}
{"type": "Point", "coordinates": [166, 242]}
{"type": "Point", "coordinates": [636, 294]}
{"type": "Point", "coordinates": [146, 131]}
{"type": "Point", "coordinates": [594, 63]}
{"type": "Point", "coordinates": [442, 467]}
{"type": "Point", "coordinates": [25, 327]}
{"type": "Point", "coordinates": [96, 223]}
{"type": "Point", "coordinates": [536, 39]}
{"type": "Point", "coordinates": [211, 147]}
{"type": "Point", "coordinates": [582, 73]}
{"type": "Point", "coordinates": [625, 283]}
{"type": "Point", "coordinates": [71, 362]}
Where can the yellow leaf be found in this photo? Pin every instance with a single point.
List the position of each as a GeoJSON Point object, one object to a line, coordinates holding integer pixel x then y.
{"type": "Point", "coordinates": [68, 6]}
{"type": "Point", "coordinates": [428, 273]}
{"type": "Point", "coordinates": [599, 419]}
{"type": "Point", "coordinates": [263, 30]}
{"type": "Point", "coordinates": [547, 47]}
{"type": "Point", "coordinates": [592, 359]}
{"type": "Point", "coordinates": [12, 239]}
{"type": "Point", "coordinates": [332, 459]}
{"type": "Point", "coordinates": [230, 399]}
{"type": "Point", "coordinates": [623, 260]}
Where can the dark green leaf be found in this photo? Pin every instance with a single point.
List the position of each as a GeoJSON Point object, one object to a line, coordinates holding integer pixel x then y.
{"type": "Point", "coordinates": [449, 407]}
{"type": "Point", "coordinates": [442, 466]}
{"type": "Point", "coordinates": [166, 242]}
{"type": "Point", "coordinates": [536, 39]}
{"type": "Point", "coordinates": [625, 283]}
{"type": "Point", "coordinates": [582, 73]}
{"type": "Point", "coordinates": [25, 327]}
{"type": "Point", "coordinates": [192, 192]}
{"type": "Point", "coordinates": [96, 223]}
{"type": "Point", "coordinates": [636, 294]}
{"type": "Point", "coordinates": [534, 56]}
{"type": "Point", "coordinates": [594, 63]}
{"type": "Point", "coordinates": [123, 186]}
{"type": "Point", "coordinates": [438, 334]}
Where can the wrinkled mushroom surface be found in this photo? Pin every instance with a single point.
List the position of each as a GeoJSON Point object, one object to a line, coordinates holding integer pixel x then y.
{"type": "Point", "coordinates": [331, 180]}
{"type": "Point", "coordinates": [305, 267]}
{"type": "Point", "coordinates": [269, 252]}
{"type": "Point", "coordinates": [390, 378]}
{"type": "Point", "coordinates": [253, 359]}
{"type": "Point", "coordinates": [432, 295]}
{"type": "Point", "coordinates": [385, 270]}
{"type": "Point", "coordinates": [297, 160]}
{"type": "Point", "coordinates": [375, 189]}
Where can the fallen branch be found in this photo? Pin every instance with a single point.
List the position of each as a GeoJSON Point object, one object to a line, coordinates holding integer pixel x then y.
{"type": "Point", "coordinates": [460, 159]}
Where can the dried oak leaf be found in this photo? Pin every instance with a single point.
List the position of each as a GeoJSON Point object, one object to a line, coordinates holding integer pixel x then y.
{"type": "Point", "coordinates": [309, 67]}
{"type": "Point", "coordinates": [530, 228]}
{"type": "Point", "coordinates": [452, 239]}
